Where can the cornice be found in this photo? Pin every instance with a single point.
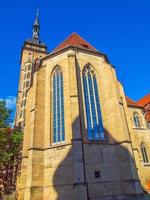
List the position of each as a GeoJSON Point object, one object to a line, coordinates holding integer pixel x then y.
{"type": "Point", "coordinates": [77, 49]}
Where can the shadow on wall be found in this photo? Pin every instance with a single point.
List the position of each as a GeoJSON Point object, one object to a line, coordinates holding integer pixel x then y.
{"type": "Point", "coordinates": [96, 171]}
{"type": "Point", "coordinates": [93, 170]}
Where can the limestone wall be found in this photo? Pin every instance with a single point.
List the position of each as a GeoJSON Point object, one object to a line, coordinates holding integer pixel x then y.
{"type": "Point", "coordinates": [69, 170]}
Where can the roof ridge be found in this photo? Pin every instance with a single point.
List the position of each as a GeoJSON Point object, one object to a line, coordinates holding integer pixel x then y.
{"type": "Point", "coordinates": [144, 96]}
{"type": "Point", "coordinates": [63, 41]}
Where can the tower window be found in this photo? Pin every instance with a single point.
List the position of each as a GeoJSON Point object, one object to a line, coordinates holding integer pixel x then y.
{"type": "Point", "coordinates": [24, 85]}
{"type": "Point", "coordinates": [136, 120]}
{"type": "Point", "coordinates": [27, 84]}
{"type": "Point", "coordinates": [24, 102]}
{"type": "Point", "coordinates": [28, 75]}
{"type": "Point", "coordinates": [144, 153]}
{"type": "Point", "coordinates": [24, 76]}
{"type": "Point", "coordinates": [23, 94]}
{"type": "Point", "coordinates": [95, 128]}
{"type": "Point", "coordinates": [20, 113]}
{"type": "Point", "coordinates": [29, 67]}
{"type": "Point", "coordinates": [25, 68]}
{"type": "Point", "coordinates": [58, 106]}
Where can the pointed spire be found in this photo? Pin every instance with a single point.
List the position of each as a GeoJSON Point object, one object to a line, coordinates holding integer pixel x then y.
{"type": "Point", "coordinates": [36, 29]}
{"type": "Point", "coordinates": [36, 22]}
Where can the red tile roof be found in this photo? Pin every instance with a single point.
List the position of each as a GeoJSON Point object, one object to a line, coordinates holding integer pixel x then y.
{"type": "Point", "coordinates": [145, 100]}
{"type": "Point", "coordinates": [74, 40]}
{"type": "Point", "coordinates": [130, 102]}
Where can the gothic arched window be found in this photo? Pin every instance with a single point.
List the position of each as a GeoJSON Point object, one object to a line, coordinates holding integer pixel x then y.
{"type": "Point", "coordinates": [92, 105]}
{"type": "Point", "coordinates": [144, 153]}
{"type": "Point", "coordinates": [136, 120]}
{"type": "Point", "coordinates": [58, 106]}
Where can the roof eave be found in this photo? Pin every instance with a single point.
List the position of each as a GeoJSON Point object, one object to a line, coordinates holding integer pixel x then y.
{"type": "Point", "coordinates": [137, 106]}
{"type": "Point", "coordinates": [39, 45]}
{"type": "Point", "coordinates": [76, 49]}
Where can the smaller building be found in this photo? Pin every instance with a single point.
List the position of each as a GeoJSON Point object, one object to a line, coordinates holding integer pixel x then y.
{"type": "Point", "coordinates": [139, 125]}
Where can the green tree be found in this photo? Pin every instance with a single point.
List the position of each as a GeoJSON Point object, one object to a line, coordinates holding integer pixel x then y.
{"type": "Point", "coordinates": [10, 146]}
{"type": "Point", "coordinates": [4, 115]}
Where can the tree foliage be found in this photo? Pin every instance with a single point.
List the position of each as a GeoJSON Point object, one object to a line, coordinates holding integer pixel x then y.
{"type": "Point", "coordinates": [10, 145]}
{"type": "Point", "coordinates": [4, 115]}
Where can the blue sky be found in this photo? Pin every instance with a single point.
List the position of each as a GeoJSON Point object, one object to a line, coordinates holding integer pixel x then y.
{"type": "Point", "coordinates": [119, 28]}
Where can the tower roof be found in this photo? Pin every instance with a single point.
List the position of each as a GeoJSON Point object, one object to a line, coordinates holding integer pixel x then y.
{"type": "Point", "coordinates": [36, 22]}
{"type": "Point", "coordinates": [75, 40]}
{"type": "Point", "coordinates": [35, 40]}
{"type": "Point", "coordinates": [36, 30]}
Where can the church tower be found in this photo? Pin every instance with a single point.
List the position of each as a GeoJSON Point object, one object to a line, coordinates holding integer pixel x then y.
{"type": "Point", "coordinates": [32, 51]}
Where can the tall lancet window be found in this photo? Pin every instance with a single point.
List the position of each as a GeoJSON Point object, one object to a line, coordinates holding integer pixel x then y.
{"type": "Point", "coordinates": [136, 120]}
{"type": "Point", "coordinates": [144, 153]}
{"type": "Point", "coordinates": [58, 106]}
{"type": "Point", "coordinates": [95, 128]}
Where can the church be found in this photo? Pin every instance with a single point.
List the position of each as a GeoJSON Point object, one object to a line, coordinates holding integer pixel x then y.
{"type": "Point", "coordinates": [83, 138]}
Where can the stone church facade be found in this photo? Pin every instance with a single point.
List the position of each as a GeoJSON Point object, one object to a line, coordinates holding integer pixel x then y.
{"type": "Point", "coordinates": [83, 138]}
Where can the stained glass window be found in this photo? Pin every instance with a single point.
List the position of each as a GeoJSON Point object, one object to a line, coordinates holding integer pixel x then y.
{"type": "Point", "coordinates": [95, 128]}
{"type": "Point", "coordinates": [58, 106]}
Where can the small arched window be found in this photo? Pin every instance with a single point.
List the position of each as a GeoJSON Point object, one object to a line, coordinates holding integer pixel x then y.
{"type": "Point", "coordinates": [144, 153]}
{"type": "Point", "coordinates": [136, 120]}
{"type": "Point", "coordinates": [148, 124]}
{"type": "Point", "coordinates": [92, 105]}
{"type": "Point", "coordinates": [57, 106]}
